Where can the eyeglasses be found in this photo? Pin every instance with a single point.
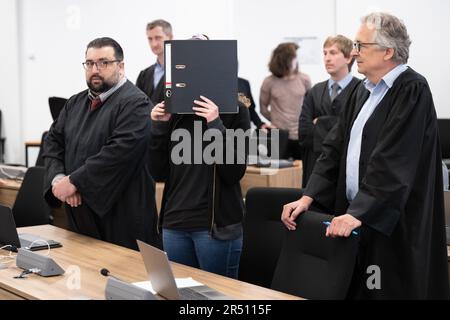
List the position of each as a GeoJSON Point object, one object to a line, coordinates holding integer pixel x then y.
{"type": "Point", "coordinates": [101, 65]}
{"type": "Point", "coordinates": [357, 45]}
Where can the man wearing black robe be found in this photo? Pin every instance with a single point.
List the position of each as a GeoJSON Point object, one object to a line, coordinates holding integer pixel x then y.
{"type": "Point", "coordinates": [380, 171]}
{"type": "Point", "coordinates": [96, 154]}
{"type": "Point", "coordinates": [151, 79]}
{"type": "Point", "coordinates": [325, 101]}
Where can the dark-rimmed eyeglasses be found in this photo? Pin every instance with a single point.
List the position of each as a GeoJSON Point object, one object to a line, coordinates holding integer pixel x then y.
{"type": "Point", "coordinates": [357, 45]}
{"type": "Point", "coordinates": [101, 65]}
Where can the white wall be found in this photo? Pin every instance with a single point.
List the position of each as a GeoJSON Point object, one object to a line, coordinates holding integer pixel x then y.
{"type": "Point", "coordinates": [10, 90]}
{"type": "Point", "coordinates": [428, 26]}
{"type": "Point", "coordinates": [56, 32]}
{"type": "Point", "coordinates": [53, 34]}
{"type": "Point", "coordinates": [260, 25]}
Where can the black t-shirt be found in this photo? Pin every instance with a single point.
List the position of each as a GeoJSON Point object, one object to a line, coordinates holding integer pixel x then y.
{"type": "Point", "coordinates": [186, 207]}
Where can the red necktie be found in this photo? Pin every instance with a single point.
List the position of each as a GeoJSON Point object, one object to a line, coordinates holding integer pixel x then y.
{"type": "Point", "coordinates": [95, 103]}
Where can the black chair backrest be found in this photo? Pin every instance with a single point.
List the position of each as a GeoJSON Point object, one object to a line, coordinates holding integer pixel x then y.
{"type": "Point", "coordinates": [30, 208]}
{"type": "Point", "coordinates": [444, 136]}
{"type": "Point", "coordinates": [56, 105]}
{"type": "Point", "coordinates": [263, 233]}
{"type": "Point", "coordinates": [40, 159]}
{"type": "Point", "coordinates": [313, 266]}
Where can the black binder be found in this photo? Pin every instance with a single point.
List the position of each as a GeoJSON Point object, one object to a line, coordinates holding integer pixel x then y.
{"type": "Point", "coordinates": [194, 68]}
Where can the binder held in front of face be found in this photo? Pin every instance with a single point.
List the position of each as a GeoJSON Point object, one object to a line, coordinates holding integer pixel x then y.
{"type": "Point", "coordinates": [200, 68]}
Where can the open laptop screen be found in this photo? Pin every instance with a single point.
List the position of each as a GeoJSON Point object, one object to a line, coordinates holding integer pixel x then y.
{"type": "Point", "coordinates": [10, 238]}
{"type": "Point", "coordinates": [8, 231]}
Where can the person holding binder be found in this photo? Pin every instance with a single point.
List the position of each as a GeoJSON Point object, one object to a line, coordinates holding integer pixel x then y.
{"type": "Point", "coordinates": [202, 208]}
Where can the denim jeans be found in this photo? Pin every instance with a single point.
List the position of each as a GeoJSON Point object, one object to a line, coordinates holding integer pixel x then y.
{"type": "Point", "coordinates": [199, 250]}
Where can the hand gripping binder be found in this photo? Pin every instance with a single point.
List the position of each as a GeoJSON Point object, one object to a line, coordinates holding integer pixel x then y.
{"type": "Point", "coordinates": [194, 68]}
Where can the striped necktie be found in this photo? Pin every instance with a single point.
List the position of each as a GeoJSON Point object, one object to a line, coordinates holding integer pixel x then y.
{"type": "Point", "coordinates": [334, 91]}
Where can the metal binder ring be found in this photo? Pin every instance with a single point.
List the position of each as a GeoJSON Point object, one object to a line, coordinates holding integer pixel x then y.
{"type": "Point", "coordinates": [180, 66]}
{"type": "Point", "coordinates": [180, 85]}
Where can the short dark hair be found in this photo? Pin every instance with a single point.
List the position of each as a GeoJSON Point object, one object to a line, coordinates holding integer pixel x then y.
{"type": "Point", "coordinates": [107, 42]}
{"type": "Point", "coordinates": [165, 25]}
{"type": "Point", "coordinates": [282, 56]}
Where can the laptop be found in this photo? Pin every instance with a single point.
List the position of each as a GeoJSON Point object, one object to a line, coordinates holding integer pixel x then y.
{"type": "Point", "coordinates": [9, 236]}
{"type": "Point", "coordinates": [163, 282]}
{"type": "Point", "coordinates": [447, 214]}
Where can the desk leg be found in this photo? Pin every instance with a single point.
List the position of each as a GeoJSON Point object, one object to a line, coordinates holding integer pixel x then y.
{"type": "Point", "coordinates": [26, 156]}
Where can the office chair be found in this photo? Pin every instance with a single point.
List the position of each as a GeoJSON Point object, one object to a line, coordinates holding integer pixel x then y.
{"type": "Point", "coordinates": [30, 207]}
{"type": "Point", "coordinates": [263, 233]}
{"type": "Point", "coordinates": [313, 266]}
{"type": "Point", "coordinates": [56, 105]}
{"type": "Point", "coordinates": [40, 158]}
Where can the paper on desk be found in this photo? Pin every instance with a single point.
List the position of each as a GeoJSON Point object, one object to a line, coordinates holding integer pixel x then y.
{"type": "Point", "coordinates": [181, 283]}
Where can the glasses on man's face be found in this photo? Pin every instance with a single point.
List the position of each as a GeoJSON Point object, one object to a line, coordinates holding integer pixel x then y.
{"type": "Point", "coordinates": [101, 65]}
{"type": "Point", "coordinates": [357, 45]}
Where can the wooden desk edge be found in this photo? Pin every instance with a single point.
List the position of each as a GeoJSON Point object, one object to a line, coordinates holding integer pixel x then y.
{"type": "Point", "coordinates": [234, 288]}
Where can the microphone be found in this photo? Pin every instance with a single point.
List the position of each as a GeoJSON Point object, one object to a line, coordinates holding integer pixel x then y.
{"type": "Point", "coordinates": [117, 289]}
{"type": "Point", "coordinates": [105, 272]}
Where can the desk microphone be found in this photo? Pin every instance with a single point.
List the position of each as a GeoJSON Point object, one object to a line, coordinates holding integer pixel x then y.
{"type": "Point", "coordinates": [117, 289]}
{"type": "Point", "coordinates": [105, 272]}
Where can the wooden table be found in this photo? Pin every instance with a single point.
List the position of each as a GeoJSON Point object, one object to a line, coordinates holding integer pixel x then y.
{"type": "Point", "coordinates": [8, 191]}
{"type": "Point", "coordinates": [267, 177]}
{"type": "Point", "coordinates": [82, 258]}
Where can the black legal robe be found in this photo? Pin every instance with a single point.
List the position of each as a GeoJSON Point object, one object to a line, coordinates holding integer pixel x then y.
{"type": "Point", "coordinates": [145, 83]}
{"type": "Point", "coordinates": [317, 104]}
{"type": "Point", "coordinates": [106, 154]}
{"type": "Point", "coordinates": [400, 198]}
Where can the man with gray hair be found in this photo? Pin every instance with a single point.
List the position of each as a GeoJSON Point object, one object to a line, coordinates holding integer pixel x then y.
{"type": "Point", "coordinates": [151, 80]}
{"type": "Point", "coordinates": [380, 173]}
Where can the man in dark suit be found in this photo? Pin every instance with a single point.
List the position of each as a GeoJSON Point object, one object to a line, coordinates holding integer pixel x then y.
{"type": "Point", "coordinates": [96, 154]}
{"type": "Point", "coordinates": [151, 80]}
{"type": "Point", "coordinates": [325, 100]}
